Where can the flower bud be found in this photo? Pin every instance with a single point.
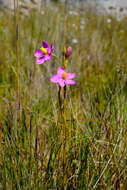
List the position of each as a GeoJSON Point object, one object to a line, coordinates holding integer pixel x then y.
{"type": "Point", "coordinates": [68, 52]}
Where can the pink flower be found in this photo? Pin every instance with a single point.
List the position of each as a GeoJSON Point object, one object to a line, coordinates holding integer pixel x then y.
{"type": "Point", "coordinates": [44, 54]}
{"type": "Point", "coordinates": [63, 78]}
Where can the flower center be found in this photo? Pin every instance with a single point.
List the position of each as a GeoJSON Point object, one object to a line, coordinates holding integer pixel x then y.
{"type": "Point", "coordinates": [64, 75]}
{"type": "Point", "coordinates": [44, 50]}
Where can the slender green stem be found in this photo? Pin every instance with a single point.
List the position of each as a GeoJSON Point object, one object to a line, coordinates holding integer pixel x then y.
{"type": "Point", "coordinates": [59, 99]}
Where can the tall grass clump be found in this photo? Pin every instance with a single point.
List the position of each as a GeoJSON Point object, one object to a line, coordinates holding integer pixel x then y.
{"type": "Point", "coordinates": [63, 137]}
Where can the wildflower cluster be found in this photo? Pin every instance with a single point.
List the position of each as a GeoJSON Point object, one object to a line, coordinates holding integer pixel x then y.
{"type": "Point", "coordinates": [62, 78]}
{"type": "Point", "coordinates": [45, 53]}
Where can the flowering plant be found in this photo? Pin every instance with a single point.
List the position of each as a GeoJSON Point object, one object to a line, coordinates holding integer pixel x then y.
{"type": "Point", "coordinates": [63, 78]}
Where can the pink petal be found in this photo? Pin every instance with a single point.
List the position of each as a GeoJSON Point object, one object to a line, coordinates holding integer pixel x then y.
{"type": "Point", "coordinates": [54, 78]}
{"type": "Point", "coordinates": [40, 60]}
{"type": "Point", "coordinates": [62, 83]}
{"type": "Point", "coordinates": [45, 44]}
{"type": "Point", "coordinates": [47, 57]}
{"type": "Point", "coordinates": [60, 71]}
{"type": "Point", "coordinates": [38, 53]}
{"type": "Point", "coordinates": [49, 50]}
{"type": "Point", "coordinates": [70, 82]}
{"type": "Point", "coordinates": [71, 75]}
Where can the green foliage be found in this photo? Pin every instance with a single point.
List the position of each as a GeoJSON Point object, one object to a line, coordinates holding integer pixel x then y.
{"type": "Point", "coordinates": [31, 133]}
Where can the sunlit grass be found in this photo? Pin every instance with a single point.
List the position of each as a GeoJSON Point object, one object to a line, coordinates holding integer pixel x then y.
{"type": "Point", "coordinates": [31, 133]}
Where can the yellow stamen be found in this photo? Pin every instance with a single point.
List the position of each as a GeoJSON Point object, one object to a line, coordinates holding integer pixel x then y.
{"type": "Point", "coordinates": [44, 50]}
{"type": "Point", "coordinates": [64, 75]}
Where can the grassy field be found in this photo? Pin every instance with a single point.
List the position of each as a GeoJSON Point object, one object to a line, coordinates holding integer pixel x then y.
{"type": "Point", "coordinates": [85, 148]}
